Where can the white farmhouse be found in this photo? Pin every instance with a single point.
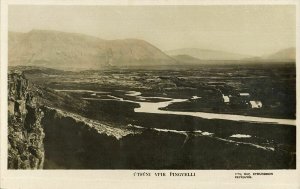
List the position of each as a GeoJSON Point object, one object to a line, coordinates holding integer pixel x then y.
{"type": "Point", "coordinates": [255, 104]}
{"type": "Point", "coordinates": [244, 94]}
{"type": "Point", "coordinates": [226, 98]}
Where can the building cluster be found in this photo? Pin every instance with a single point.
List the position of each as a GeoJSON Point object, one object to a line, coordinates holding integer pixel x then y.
{"type": "Point", "coordinates": [242, 100]}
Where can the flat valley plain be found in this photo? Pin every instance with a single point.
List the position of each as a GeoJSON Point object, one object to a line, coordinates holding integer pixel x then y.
{"type": "Point", "coordinates": [232, 116]}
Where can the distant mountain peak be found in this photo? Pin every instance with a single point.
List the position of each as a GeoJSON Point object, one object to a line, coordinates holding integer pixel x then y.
{"type": "Point", "coordinates": [284, 54]}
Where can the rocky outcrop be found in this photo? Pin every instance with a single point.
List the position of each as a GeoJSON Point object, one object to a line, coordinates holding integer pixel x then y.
{"type": "Point", "coordinates": [38, 132]}
{"type": "Point", "coordinates": [25, 132]}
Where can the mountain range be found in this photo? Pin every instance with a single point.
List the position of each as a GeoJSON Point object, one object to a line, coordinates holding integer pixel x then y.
{"type": "Point", "coordinates": [71, 51]}
{"type": "Point", "coordinates": [194, 55]}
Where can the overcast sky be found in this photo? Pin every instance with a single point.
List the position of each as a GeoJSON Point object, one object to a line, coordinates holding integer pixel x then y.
{"type": "Point", "coordinates": [253, 30]}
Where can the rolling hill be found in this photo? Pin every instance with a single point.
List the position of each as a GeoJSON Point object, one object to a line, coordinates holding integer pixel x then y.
{"type": "Point", "coordinates": [186, 59]}
{"type": "Point", "coordinates": [71, 51]}
{"type": "Point", "coordinates": [204, 54]}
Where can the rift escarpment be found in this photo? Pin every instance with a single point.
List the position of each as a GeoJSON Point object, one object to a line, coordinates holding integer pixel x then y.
{"type": "Point", "coordinates": [74, 142]}
{"type": "Point", "coordinates": [50, 130]}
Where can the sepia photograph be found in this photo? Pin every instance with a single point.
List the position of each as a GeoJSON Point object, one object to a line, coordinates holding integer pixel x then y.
{"type": "Point", "coordinates": [156, 87]}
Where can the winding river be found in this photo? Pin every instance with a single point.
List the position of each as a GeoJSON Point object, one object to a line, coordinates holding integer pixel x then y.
{"type": "Point", "coordinates": [150, 107]}
{"type": "Point", "coordinates": [154, 108]}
